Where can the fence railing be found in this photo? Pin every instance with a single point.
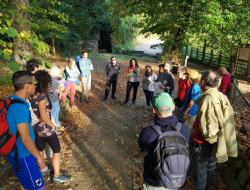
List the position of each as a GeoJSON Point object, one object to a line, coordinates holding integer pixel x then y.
{"type": "Point", "coordinates": [196, 55]}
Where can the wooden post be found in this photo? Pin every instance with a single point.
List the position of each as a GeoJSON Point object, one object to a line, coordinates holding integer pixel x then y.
{"type": "Point", "coordinates": [186, 51]}
{"type": "Point", "coordinates": [191, 52]}
{"type": "Point", "coordinates": [197, 53]}
{"type": "Point", "coordinates": [204, 52]}
{"type": "Point", "coordinates": [219, 59]}
{"type": "Point", "coordinates": [231, 94]}
{"type": "Point", "coordinates": [211, 56]}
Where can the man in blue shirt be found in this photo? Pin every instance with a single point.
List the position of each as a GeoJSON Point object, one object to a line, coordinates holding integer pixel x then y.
{"type": "Point", "coordinates": [18, 118]}
{"type": "Point", "coordinates": [190, 108]}
{"type": "Point", "coordinates": [85, 66]}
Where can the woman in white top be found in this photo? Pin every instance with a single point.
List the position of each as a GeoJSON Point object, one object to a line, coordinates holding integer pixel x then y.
{"type": "Point", "coordinates": [133, 72]}
{"type": "Point", "coordinates": [149, 78]}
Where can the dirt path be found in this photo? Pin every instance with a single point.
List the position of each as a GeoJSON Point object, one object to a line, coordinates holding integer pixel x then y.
{"type": "Point", "coordinates": [99, 144]}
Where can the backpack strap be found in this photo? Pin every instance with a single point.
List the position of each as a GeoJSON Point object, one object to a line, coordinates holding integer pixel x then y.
{"type": "Point", "coordinates": [157, 129]}
{"type": "Point", "coordinates": [17, 101]}
{"type": "Point", "coordinates": [178, 126]}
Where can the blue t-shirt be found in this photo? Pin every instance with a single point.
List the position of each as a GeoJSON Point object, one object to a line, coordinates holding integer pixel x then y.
{"type": "Point", "coordinates": [17, 114]}
{"type": "Point", "coordinates": [192, 94]}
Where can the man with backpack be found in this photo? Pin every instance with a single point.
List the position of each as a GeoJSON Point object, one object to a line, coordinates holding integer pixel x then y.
{"type": "Point", "coordinates": [214, 132]}
{"type": "Point", "coordinates": [112, 70]}
{"type": "Point", "coordinates": [19, 121]}
{"type": "Point", "coordinates": [165, 169]}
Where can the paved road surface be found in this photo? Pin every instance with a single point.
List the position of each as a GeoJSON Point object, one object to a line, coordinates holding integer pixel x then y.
{"type": "Point", "coordinates": [146, 47]}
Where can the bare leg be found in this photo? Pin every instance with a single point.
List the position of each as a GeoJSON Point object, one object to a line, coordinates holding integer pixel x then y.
{"type": "Point", "coordinates": [56, 163]}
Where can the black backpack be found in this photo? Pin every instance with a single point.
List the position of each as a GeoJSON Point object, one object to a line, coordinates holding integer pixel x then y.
{"type": "Point", "coordinates": [171, 157]}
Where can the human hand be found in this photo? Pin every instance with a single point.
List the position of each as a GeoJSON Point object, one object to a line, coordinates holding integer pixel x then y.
{"type": "Point", "coordinates": [61, 88]}
{"type": "Point", "coordinates": [161, 87]}
{"type": "Point", "coordinates": [149, 78]}
{"type": "Point", "coordinates": [185, 112]}
{"type": "Point", "coordinates": [42, 164]}
{"type": "Point", "coordinates": [53, 128]}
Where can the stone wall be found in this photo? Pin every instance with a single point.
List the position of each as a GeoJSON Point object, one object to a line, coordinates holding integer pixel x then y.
{"type": "Point", "coordinates": [91, 44]}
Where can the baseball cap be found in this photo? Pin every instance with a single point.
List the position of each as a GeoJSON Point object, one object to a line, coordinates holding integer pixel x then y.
{"type": "Point", "coordinates": [162, 102]}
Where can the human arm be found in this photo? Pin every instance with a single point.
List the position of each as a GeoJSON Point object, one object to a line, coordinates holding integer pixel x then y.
{"type": "Point", "coordinates": [107, 69]}
{"type": "Point", "coordinates": [119, 68]}
{"type": "Point", "coordinates": [43, 114]}
{"type": "Point", "coordinates": [225, 82]}
{"type": "Point", "coordinates": [190, 104]}
{"type": "Point", "coordinates": [29, 144]}
{"type": "Point", "coordinates": [69, 72]}
{"type": "Point", "coordinates": [222, 90]}
{"type": "Point", "coordinates": [90, 65]}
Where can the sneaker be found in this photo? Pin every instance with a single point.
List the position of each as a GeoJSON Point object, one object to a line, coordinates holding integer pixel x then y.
{"type": "Point", "coordinates": [133, 103]}
{"type": "Point", "coordinates": [74, 106]}
{"type": "Point", "coordinates": [61, 179]}
{"type": "Point", "coordinates": [147, 106]}
{"type": "Point", "coordinates": [104, 99]}
{"type": "Point", "coordinates": [125, 103]}
{"type": "Point", "coordinates": [59, 126]}
{"type": "Point", "coordinates": [113, 97]}
{"type": "Point", "coordinates": [58, 132]}
{"type": "Point", "coordinates": [46, 172]}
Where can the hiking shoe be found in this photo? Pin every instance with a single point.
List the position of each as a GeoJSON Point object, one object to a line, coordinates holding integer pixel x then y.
{"type": "Point", "coordinates": [104, 99]}
{"type": "Point", "coordinates": [87, 101]}
{"type": "Point", "coordinates": [46, 172]}
{"type": "Point", "coordinates": [125, 103]}
{"type": "Point", "coordinates": [58, 132]}
{"type": "Point", "coordinates": [113, 97]}
{"type": "Point", "coordinates": [133, 103]}
{"type": "Point", "coordinates": [61, 179]}
{"type": "Point", "coordinates": [59, 126]}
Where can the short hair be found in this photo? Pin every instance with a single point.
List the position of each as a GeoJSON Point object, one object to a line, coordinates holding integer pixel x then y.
{"type": "Point", "coordinates": [161, 65]}
{"type": "Point", "coordinates": [130, 63]}
{"type": "Point", "coordinates": [182, 69]}
{"type": "Point", "coordinates": [84, 51]}
{"type": "Point", "coordinates": [208, 80]}
{"type": "Point", "coordinates": [55, 71]}
{"type": "Point", "coordinates": [32, 63]}
{"type": "Point", "coordinates": [170, 64]}
{"type": "Point", "coordinates": [44, 81]}
{"type": "Point", "coordinates": [112, 58]}
{"type": "Point", "coordinates": [20, 78]}
{"type": "Point", "coordinates": [148, 66]}
{"type": "Point", "coordinates": [70, 60]}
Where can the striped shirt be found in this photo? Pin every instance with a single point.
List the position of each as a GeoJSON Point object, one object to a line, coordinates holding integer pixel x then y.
{"type": "Point", "coordinates": [53, 96]}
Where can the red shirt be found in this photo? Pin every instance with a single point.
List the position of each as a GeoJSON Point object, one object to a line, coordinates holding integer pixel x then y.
{"type": "Point", "coordinates": [225, 82]}
{"type": "Point", "coordinates": [183, 86]}
{"type": "Point", "coordinates": [197, 133]}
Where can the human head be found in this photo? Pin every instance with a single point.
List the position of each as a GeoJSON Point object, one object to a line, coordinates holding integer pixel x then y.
{"type": "Point", "coordinates": [163, 105]}
{"type": "Point", "coordinates": [223, 71]}
{"type": "Point", "coordinates": [209, 79]}
{"type": "Point", "coordinates": [148, 68]}
{"type": "Point", "coordinates": [24, 80]}
{"type": "Point", "coordinates": [84, 54]}
{"type": "Point", "coordinates": [44, 81]}
{"type": "Point", "coordinates": [192, 76]}
{"type": "Point", "coordinates": [33, 65]}
{"type": "Point", "coordinates": [55, 71]}
{"type": "Point", "coordinates": [113, 60]}
{"type": "Point", "coordinates": [71, 62]}
{"type": "Point", "coordinates": [168, 66]}
{"type": "Point", "coordinates": [181, 71]}
{"type": "Point", "coordinates": [161, 68]}
{"type": "Point", "coordinates": [133, 63]}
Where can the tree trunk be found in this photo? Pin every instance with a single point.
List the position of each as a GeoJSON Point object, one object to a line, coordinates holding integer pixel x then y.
{"type": "Point", "coordinates": [186, 11]}
{"type": "Point", "coordinates": [53, 45]}
{"type": "Point", "coordinates": [204, 52]}
{"type": "Point", "coordinates": [21, 48]}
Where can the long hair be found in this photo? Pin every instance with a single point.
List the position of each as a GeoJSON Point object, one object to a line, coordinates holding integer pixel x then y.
{"type": "Point", "coordinates": [131, 65]}
{"type": "Point", "coordinates": [44, 81]}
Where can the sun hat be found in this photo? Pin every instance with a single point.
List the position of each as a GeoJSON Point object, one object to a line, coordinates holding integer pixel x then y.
{"type": "Point", "coordinates": [162, 102]}
{"type": "Point", "coordinates": [192, 74]}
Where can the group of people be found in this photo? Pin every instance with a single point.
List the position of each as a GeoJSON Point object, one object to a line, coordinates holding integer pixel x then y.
{"type": "Point", "coordinates": [207, 126]}
{"type": "Point", "coordinates": [205, 115]}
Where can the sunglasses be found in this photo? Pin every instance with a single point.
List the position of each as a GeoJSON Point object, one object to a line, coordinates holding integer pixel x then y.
{"type": "Point", "coordinates": [35, 83]}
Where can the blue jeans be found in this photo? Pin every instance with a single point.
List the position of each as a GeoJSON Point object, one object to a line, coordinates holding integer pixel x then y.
{"type": "Point", "coordinates": [149, 96]}
{"type": "Point", "coordinates": [203, 166]}
{"type": "Point", "coordinates": [55, 111]}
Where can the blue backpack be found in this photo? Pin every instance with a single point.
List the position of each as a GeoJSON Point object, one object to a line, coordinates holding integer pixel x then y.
{"type": "Point", "coordinates": [171, 157]}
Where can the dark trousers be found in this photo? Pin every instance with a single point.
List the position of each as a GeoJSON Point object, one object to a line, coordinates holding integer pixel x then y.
{"type": "Point", "coordinates": [131, 85]}
{"type": "Point", "coordinates": [149, 96]}
{"type": "Point", "coordinates": [110, 81]}
{"type": "Point", "coordinates": [203, 166]}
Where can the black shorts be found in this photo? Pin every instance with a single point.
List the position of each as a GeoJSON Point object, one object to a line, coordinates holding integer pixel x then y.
{"type": "Point", "coordinates": [52, 141]}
